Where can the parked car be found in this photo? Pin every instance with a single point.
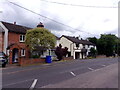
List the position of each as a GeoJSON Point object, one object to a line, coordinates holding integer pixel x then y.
{"type": "Point", "coordinates": [3, 59]}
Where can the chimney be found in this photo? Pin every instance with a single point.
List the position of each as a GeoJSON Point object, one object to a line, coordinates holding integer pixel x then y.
{"type": "Point", "coordinates": [40, 25]}
{"type": "Point", "coordinates": [77, 37]}
{"type": "Point", "coordinates": [14, 23]}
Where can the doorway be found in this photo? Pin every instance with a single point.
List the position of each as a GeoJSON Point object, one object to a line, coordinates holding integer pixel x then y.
{"type": "Point", "coordinates": [15, 55]}
{"type": "Point", "coordinates": [77, 55]}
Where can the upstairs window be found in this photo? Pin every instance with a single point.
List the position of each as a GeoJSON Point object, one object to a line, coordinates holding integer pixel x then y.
{"type": "Point", "coordinates": [22, 38]}
{"type": "Point", "coordinates": [77, 45]}
{"type": "Point", "coordinates": [83, 45]}
{"type": "Point", "coordinates": [22, 52]}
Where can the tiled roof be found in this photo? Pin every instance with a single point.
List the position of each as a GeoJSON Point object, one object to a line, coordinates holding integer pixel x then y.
{"type": "Point", "coordinates": [15, 28]}
{"type": "Point", "coordinates": [76, 40]}
{"type": "Point", "coordinates": [1, 30]}
{"type": "Point", "coordinates": [57, 38]}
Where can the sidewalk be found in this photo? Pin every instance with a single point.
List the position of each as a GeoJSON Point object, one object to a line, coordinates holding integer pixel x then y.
{"type": "Point", "coordinates": [14, 67]}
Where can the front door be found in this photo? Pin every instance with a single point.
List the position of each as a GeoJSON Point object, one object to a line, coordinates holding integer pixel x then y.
{"type": "Point", "coordinates": [77, 55]}
{"type": "Point", "coordinates": [15, 55]}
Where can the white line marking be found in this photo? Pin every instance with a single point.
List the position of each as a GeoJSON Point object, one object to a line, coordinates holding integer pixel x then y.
{"type": "Point", "coordinates": [103, 65]}
{"type": "Point", "coordinates": [33, 84]}
{"type": "Point", "coordinates": [97, 69]}
{"type": "Point", "coordinates": [72, 73]}
{"type": "Point", "coordinates": [90, 69]}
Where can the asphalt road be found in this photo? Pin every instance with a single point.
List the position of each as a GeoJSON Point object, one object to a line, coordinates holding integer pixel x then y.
{"type": "Point", "coordinates": [54, 73]}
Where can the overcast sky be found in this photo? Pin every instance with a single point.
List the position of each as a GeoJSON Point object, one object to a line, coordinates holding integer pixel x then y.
{"type": "Point", "coordinates": [88, 21]}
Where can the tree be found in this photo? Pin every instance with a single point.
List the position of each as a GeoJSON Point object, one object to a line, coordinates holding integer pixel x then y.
{"type": "Point", "coordinates": [93, 40]}
{"type": "Point", "coordinates": [40, 39]}
{"type": "Point", "coordinates": [106, 44]}
{"type": "Point", "coordinates": [93, 52]}
{"type": "Point", "coordinates": [117, 47]}
{"type": "Point", "coordinates": [60, 52]}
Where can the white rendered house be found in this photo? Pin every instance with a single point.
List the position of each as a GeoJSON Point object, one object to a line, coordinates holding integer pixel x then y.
{"type": "Point", "coordinates": [77, 48]}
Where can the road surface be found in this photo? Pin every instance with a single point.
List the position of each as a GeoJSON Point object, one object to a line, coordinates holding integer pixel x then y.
{"type": "Point", "coordinates": [88, 73]}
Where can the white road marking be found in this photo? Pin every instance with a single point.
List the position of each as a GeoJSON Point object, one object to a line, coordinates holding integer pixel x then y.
{"type": "Point", "coordinates": [90, 69]}
{"type": "Point", "coordinates": [72, 73]}
{"type": "Point", "coordinates": [33, 84]}
{"type": "Point", "coordinates": [103, 65]}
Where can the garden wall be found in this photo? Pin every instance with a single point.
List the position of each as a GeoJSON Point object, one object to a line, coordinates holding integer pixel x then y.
{"type": "Point", "coordinates": [29, 61]}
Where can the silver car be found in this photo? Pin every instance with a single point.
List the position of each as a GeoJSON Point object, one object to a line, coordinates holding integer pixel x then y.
{"type": "Point", "coordinates": [3, 59]}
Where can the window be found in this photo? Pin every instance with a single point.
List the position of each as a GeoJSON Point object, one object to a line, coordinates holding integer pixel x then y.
{"type": "Point", "coordinates": [83, 46]}
{"type": "Point", "coordinates": [22, 52]}
{"type": "Point", "coordinates": [22, 38]}
{"type": "Point", "coordinates": [77, 45]}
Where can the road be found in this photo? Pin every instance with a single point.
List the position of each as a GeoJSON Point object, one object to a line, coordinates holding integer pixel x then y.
{"type": "Point", "coordinates": [58, 73]}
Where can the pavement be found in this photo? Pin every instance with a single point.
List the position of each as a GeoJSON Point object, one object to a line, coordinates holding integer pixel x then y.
{"type": "Point", "coordinates": [8, 66]}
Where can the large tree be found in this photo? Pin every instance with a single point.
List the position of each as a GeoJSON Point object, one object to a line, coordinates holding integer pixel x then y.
{"type": "Point", "coordinates": [106, 44]}
{"type": "Point", "coordinates": [117, 47]}
{"type": "Point", "coordinates": [93, 40]}
{"type": "Point", "coordinates": [40, 39]}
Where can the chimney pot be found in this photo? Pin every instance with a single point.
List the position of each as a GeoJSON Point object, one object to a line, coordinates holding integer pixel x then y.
{"type": "Point", "coordinates": [14, 23]}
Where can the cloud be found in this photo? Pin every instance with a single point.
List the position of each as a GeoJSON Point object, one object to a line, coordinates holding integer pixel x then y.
{"type": "Point", "coordinates": [93, 20]}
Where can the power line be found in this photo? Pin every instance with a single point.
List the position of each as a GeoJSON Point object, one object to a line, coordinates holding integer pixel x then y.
{"type": "Point", "coordinates": [49, 18]}
{"type": "Point", "coordinates": [79, 5]}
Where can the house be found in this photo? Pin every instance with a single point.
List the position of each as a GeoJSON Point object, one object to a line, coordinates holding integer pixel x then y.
{"type": "Point", "coordinates": [77, 48]}
{"type": "Point", "coordinates": [12, 38]}
{"type": "Point", "coordinates": [12, 41]}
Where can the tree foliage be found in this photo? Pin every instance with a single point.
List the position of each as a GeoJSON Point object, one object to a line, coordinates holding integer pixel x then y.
{"type": "Point", "coordinates": [93, 52]}
{"type": "Point", "coordinates": [40, 39]}
{"type": "Point", "coordinates": [60, 52]}
{"type": "Point", "coordinates": [107, 44]}
{"type": "Point", "coordinates": [117, 48]}
{"type": "Point", "coordinates": [93, 40]}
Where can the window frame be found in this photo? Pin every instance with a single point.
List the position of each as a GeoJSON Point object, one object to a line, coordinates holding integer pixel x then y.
{"type": "Point", "coordinates": [22, 52]}
{"type": "Point", "coordinates": [77, 45]}
{"type": "Point", "coordinates": [22, 38]}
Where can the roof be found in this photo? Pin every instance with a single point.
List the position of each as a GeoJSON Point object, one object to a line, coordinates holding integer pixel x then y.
{"type": "Point", "coordinates": [57, 38]}
{"type": "Point", "coordinates": [1, 30]}
{"type": "Point", "coordinates": [76, 40]}
{"type": "Point", "coordinates": [15, 28]}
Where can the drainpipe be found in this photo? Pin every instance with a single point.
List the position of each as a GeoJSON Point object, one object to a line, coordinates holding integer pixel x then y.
{"type": "Point", "coordinates": [73, 49]}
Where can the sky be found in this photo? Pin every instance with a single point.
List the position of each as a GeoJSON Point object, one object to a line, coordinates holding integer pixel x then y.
{"type": "Point", "coordinates": [84, 18]}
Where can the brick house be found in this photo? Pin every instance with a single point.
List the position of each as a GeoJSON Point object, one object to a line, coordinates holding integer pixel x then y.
{"type": "Point", "coordinates": [12, 41]}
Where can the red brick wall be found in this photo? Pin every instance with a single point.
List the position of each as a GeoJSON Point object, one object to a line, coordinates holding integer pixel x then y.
{"type": "Point", "coordinates": [28, 61]}
{"type": "Point", "coordinates": [13, 38]}
{"type": "Point", "coordinates": [1, 41]}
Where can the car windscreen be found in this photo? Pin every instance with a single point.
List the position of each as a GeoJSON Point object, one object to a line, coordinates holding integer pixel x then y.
{"type": "Point", "coordinates": [2, 54]}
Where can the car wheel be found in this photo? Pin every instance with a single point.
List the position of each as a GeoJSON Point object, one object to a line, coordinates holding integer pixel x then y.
{"type": "Point", "coordinates": [3, 65]}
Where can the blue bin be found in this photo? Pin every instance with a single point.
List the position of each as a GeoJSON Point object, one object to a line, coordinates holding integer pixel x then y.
{"type": "Point", "coordinates": [48, 59]}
